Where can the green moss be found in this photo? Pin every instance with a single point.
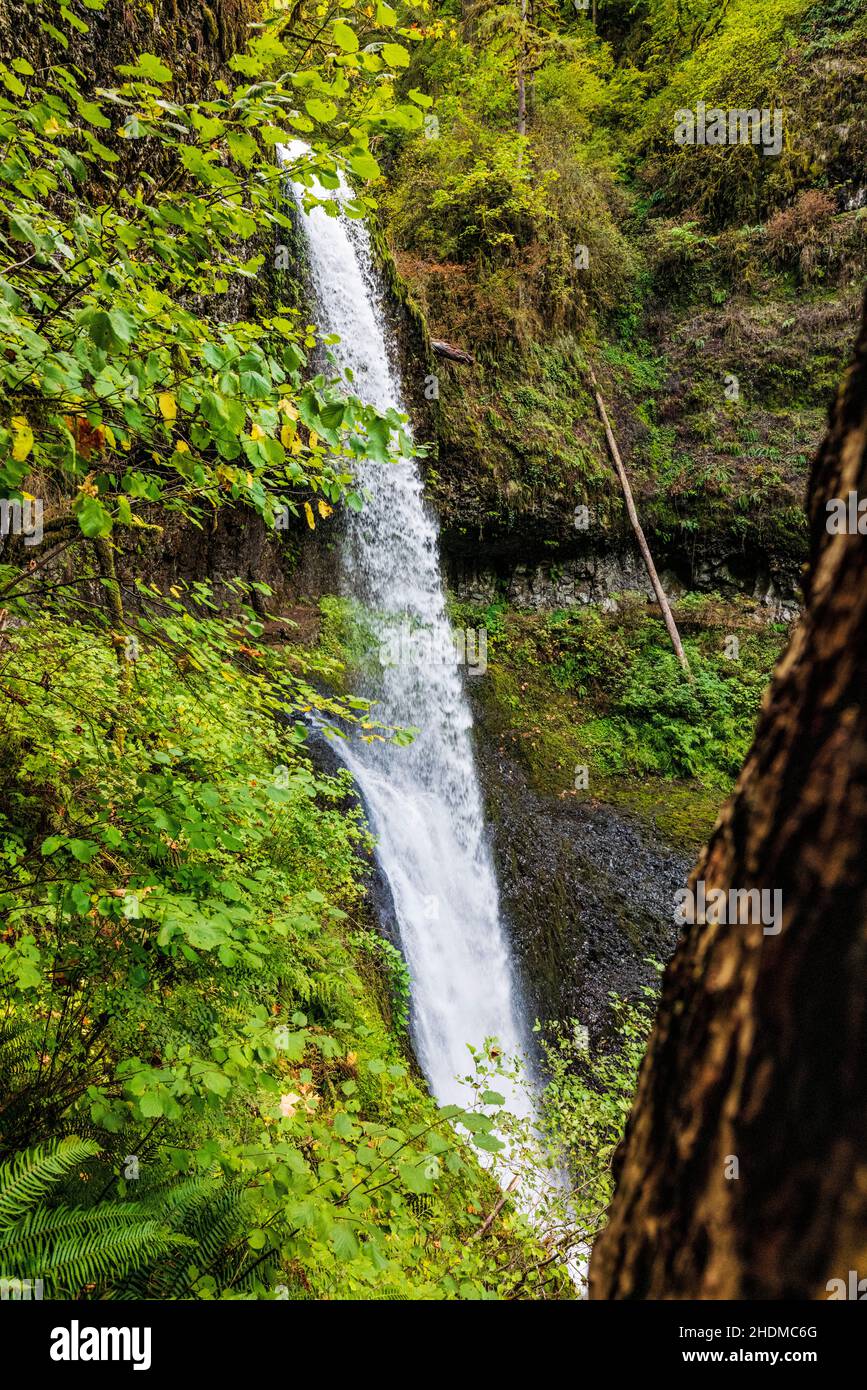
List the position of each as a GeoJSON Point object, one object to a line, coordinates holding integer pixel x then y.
{"type": "Point", "coordinates": [700, 266]}
{"type": "Point", "coordinates": [349, 637]}
{"type": "Point", "coordinates": [583, 689]}
{"type": "Point", "coordinates": [211, 28]}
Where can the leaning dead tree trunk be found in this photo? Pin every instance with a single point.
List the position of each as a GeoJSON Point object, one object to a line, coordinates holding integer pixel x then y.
{"type": "Point", "coordinates": [743, 1173]}
{"type": "Point", "coordinates": [636, 526]}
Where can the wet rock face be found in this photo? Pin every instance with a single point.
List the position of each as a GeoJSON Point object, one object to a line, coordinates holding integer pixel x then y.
{"type": "Point", "coordinates": [598, 577]}
{"type": "Point", "coordinates": [237, 545]}
{"type": "Point", "coordinates": [588, 893]}
{"type": "Point", "coordinates": [196, 40]}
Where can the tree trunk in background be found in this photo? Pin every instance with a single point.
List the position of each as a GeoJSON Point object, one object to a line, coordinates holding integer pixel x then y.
{"type": "Point", "coordinates": [530, 100]}
{"type": "Point", "coordinates": [522, 89]}
{"type": "Point", "coordinates": [759, 1053]}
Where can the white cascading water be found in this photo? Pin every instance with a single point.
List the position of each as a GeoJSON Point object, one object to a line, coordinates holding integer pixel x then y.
{"type": "Point", "coordinates": [423, 800]}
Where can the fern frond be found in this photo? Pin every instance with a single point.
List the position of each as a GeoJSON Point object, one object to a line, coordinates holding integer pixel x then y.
{"type": "Point", "coordinates": [100, 1257]}
{"type": "Point", "coordinates": [62, 1221]}
{"type": "Point", "coordinates": [28, 1176]}
{"type": "Point", "coordinates": [213, 1225]}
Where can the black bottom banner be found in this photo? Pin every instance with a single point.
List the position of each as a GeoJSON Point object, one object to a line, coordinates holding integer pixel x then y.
{"type": "Point", "coordinates": [83, 1341]}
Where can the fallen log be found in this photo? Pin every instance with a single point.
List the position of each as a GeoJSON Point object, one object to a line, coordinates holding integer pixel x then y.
{"type": "Point", "coordinates": [454, 354]}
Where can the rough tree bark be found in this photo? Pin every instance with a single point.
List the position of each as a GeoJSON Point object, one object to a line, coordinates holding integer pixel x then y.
{"type": "Point", "coordinates": [760, 1047]}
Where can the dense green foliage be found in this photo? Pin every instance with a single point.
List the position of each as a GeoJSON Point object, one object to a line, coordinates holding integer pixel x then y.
{"type": "Point", "coordinates": [205, 1084]}
{"type": "Point", "coordinates": [207, 1088]}
{"type": "Point", "coordinates": [564, 1157]}
{"type": "Point", "coordinates": [188, 985]}
{"type": "Point", "coordinates": [121, 388]}
{"type": "Point", "coordinates": [594, 239]}
{"type": "Point", "coordinates": [586, 1103]}
{"type": "Point", "coordinates": [605, 689]}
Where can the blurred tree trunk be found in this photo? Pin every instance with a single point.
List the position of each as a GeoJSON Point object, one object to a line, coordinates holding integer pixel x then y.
{"type": "Point", "coordinates": [530, 16]}
{"type": "Point", "coordinates": [758, 1061]}
{"type": "Point", "coordinates": [522, 86]}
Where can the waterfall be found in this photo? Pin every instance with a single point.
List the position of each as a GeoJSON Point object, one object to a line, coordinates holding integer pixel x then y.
{"type": "Point", "coordinates": [423, 800]}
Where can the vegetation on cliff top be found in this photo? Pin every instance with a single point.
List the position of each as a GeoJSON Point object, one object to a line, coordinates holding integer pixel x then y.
{"type": "Point", "coordinates": [593, 238]}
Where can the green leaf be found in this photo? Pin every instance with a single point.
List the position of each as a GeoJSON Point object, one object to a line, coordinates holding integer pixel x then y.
{"type": "Point", "coordinates": [488, 1142]}
{"type": "Point", "coordinates": [343, 1125]}
{"type": "Point", "coordinates": [364, 165]}
{"type": "Point", "coordinates": [343, 1241]}
{"type": "Point", "coordinates": [321, 111]}
{"type": "Point", "coordinates": [148, 66]}
{"type": "Point", "coordinates": [242, 146]}
{"type": "Point", "coordinates": [80, 899]}
{"type": "Point", "coordinates": [344, 37]}
{"type": "Point", "coordinates": [83, 850]}
{"type": "Point", "coordinates": [72, 162]}
{"type": "Point", "coordinates": [93, 519]}
{"type": "Point", "coordinates": [378, 435]}
{"type": "Point", "coordinates": [216, 1082]}
{"type": "Point", "coordinates": [123, 327]}
{"type": "Point", "coordinates": [152, 1105]}
{"type": "Point", "coordinates": [14, 84]}
{"type": "Point", "coordinates": [413, 1177]}
{"type": "Point", "coordinates": [395, 55]}
{"type": "Point", "coordinates": [90, 112]}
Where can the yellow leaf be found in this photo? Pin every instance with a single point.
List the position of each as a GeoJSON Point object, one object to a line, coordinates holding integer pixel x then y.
{"type": "Point", "coordinates": [314, 439]}
{"type": "Point", "coordinates": [182, 447]}
{"type": "Point", "coordinates": [324, 509]}
{"type": "Point", "coordinates": [22, 440]}
{"type": "Point", "coordinates": [110, 436]}
{"type": "Point", "coordinates": [287, 407]}
{"type": "Point", "coordinates": [287, 434]}
{"type": "Point", "coordinates": [168, 405]}
{"type": "Point", "coordinates": [256, 432]}
{"type": "Point", "coordinates": [308, 512]}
